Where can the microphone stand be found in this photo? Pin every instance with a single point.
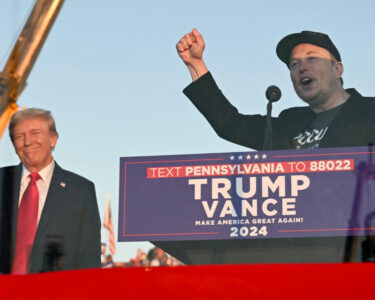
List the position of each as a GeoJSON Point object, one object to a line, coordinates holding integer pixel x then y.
{"type": "Point", "coordinates": [267, 145]}
{"type": "Point", "coordinates": [273, 94]}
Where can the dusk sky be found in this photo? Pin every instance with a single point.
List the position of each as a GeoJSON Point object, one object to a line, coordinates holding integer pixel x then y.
{"type": "Point", "coordinates": [110, 74]}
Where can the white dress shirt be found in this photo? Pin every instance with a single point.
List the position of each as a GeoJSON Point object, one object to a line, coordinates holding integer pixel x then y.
{"type": "Point", "coordinates": [43, 184]}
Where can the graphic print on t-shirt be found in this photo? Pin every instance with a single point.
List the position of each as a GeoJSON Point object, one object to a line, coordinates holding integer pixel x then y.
{"type": "Point", "coordinates": [309, 139]}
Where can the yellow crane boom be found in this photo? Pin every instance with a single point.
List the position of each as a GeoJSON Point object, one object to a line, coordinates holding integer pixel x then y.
{"type": "Point", "coordinates": [23, 56]}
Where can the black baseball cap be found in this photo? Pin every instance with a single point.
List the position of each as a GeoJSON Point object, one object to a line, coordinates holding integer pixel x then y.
{"type": "Point", "coordinates": [286, 45]}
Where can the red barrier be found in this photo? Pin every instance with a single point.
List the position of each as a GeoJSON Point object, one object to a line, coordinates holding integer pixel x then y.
{"type": "Point", "coordinates": [299, 281]}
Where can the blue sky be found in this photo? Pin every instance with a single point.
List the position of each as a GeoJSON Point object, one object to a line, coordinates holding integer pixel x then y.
{"type": "Point", "coordinates": [110, 74]}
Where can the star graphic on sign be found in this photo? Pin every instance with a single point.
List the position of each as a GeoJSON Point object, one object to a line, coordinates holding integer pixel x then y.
{"type": "Point", "coordinates": [264, 156]}
{"type": "Point", "coordinates": [248, 156]}
{"type": "Point", "coordinates": [240, 157]}
{"type": "Point", "coordinates": [232, 157]}
{"type": "Point", "coordinates": [256, 156]}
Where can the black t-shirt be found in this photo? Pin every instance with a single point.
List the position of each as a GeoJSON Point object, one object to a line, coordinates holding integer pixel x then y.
{"type": "Point", "coordinates": [310, 138]}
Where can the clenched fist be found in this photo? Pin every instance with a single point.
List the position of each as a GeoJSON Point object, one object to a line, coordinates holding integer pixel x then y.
{"type": "Point", "coordinates": [190, 48]}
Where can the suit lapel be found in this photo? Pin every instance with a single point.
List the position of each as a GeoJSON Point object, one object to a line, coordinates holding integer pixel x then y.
{"type": "Point", "coordinates": [54, 198]}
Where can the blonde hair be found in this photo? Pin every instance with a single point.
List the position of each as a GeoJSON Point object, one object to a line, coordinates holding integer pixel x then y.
{"type": "Point", "coordinates": [32, 113]}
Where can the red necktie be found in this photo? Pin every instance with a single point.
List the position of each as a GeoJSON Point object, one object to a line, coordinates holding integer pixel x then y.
{"type": "Point", "coordinates": [26, 225]}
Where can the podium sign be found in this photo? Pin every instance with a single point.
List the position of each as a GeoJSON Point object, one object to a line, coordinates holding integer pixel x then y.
{"type": "Point", "coordinates": [250, 195]}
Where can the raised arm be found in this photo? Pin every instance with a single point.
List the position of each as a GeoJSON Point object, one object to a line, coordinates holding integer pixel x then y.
{"type": "Point", "coordinates": [190, 48]}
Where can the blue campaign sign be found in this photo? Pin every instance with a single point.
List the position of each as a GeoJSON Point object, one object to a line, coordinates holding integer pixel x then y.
{"type": "Point", "coordinates": [265, 194]}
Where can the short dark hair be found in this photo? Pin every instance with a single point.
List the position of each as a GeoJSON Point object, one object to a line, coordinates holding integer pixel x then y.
{"type": "Point", "coordinates": [32, 113]}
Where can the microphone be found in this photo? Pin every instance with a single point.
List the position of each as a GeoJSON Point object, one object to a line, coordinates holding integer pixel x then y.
{"type": "Point", "coordinates": [273, 93]}
{"type": "Point", "coordinates": [53, 253]}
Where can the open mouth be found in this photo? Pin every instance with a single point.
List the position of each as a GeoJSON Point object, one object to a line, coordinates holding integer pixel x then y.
{"type": "Point", "coordinates": [305, 81]}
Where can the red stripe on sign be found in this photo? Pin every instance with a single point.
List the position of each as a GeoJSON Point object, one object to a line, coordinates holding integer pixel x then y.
{"type": "Point", "coordinates": [333, 165]}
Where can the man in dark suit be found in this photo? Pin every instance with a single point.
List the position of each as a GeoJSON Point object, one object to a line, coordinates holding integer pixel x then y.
{"type": "Point", "coordinates": [49, 217]}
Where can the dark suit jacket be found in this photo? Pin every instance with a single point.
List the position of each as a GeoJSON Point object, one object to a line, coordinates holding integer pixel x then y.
{"type": "Point", "coordinates": [70, 216]}
{"type": "Point", "coordinates": [354, 124]}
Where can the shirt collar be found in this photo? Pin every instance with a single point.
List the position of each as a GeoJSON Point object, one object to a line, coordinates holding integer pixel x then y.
{"type": "Point", "coordinates": [45, 173]}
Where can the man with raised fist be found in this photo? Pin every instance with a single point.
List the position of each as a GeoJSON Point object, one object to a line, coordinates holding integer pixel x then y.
{"type": "Point", "coordinates": [334, 117]}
